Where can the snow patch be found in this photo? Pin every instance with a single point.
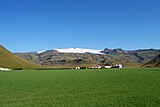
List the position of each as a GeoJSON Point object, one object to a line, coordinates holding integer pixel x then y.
{"type": "Point", "coordinates": [79, 50]}
{"type": "Point", "coordinates": [40, 52]}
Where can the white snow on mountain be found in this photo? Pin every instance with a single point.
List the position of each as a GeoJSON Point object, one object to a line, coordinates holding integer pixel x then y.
{"type": "Point", "coordinates": [40, 52]}
{"type": "Point", "coordinates": [79, 50]}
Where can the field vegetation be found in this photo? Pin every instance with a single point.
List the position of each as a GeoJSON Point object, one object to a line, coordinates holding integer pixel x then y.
{"type": "Point", "coordinates": [81, 88]}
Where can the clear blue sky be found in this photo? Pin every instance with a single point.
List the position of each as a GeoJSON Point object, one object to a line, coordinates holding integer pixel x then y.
{"type": "Point", "coordinates": [34, 25]}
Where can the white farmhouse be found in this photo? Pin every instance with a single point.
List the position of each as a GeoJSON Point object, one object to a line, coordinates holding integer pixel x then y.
{"type": "Point", "coordinates": [107, 66]}
{"type": "Point", "coordinates": [78, 68]}
{"type": "Point", "coordinates": [4, 69]}
{"type": "Point", "coordinates": [119, 65]}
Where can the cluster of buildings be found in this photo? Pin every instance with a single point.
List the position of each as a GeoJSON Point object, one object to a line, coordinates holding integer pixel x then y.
{"type": "Point", "coordinates": [99, 67]}
{"type": "Point", "coordinates": [88, 67]}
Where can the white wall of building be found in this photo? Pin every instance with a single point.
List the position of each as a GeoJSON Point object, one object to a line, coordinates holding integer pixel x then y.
{"type": "Point", "coordinates": [4, 69]}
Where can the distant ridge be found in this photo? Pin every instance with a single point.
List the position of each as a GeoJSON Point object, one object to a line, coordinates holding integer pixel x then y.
{"type": "Point", "coordinates": [9, 60]}
{"type": "Point", "coordinates": [154, 63]}
{"type": "Point", "coordinates": [72, 57]}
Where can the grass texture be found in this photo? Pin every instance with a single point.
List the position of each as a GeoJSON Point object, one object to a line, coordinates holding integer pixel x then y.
{"type": "Point", "coordinates": [81, 88]}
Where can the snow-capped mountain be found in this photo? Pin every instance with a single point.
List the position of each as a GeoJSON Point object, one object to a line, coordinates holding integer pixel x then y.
{"type": "Point", "coordinates": [79, 50]}
{"type": "Point", "coordinates": [54, 57]}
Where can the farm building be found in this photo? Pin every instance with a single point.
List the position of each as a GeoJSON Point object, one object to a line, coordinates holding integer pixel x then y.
{"type": "Point", "coordinates": [107, 66]}
{"type": "Point", "coordinates": [4, 69]}
{"type": "Point", "coordinates": [95, 66]}
{"type": "Point", "coordinates": [77, 67]}
{"type": "Point", "coordinates": [119, 65]}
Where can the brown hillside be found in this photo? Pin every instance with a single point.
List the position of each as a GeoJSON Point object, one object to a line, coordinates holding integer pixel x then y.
{"type": "Point", "coordinates": [155, 62]}
{"type": "Point", "coordinates": [9, 60]}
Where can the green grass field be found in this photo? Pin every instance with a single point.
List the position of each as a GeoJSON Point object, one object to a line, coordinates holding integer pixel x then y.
{"type": "Point", "coordinates": [79, 88]}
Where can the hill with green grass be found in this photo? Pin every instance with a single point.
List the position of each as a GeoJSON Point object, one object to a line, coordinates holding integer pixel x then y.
{"type": "Point", "coordinates": [9, 60]}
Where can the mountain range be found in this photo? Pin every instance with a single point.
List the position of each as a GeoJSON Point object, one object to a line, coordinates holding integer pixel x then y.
{"type": "Point", "coordinates": [84, 57]}
{"type": "Point", "coordinates": [80, 57]}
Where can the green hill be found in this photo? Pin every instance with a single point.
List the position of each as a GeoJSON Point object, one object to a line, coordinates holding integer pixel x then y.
{"type": "Point", "coordinates": [9, 60]}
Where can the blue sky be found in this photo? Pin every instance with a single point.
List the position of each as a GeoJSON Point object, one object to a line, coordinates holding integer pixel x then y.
{"type": "Point", "coordinates": [35, 25]}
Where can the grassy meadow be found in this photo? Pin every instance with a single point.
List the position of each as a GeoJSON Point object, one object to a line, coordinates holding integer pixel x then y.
{"type": "Point", "coordinates": [81, 88]}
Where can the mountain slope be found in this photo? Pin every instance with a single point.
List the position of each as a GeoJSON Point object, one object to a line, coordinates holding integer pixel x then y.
{"type": "Point", "coordinates": [106, 57]}
{"type": "Point", "coordinates": [9, 60]}
{"type": "Point", "coordinates": [154, 63]}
